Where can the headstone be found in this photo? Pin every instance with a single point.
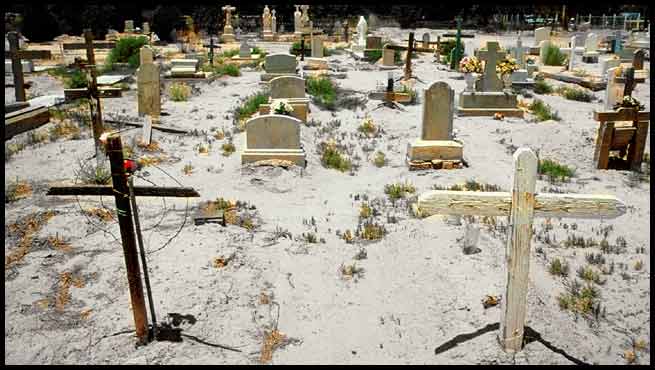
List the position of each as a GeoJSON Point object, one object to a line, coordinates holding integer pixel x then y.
{"type": "Point", "coordinates": [426, 40]}
{"type": "Point", "coordinates": [373, 22]}
{"type": "Point", "coordinates": [436, 142]}
{"type": "Point", "coordinates": [519, 53]}
{"type": "Point", "coordinates": [296, 21]}
{"type": "Point", "coordinates": [374, 42]}
{"type": "Point", "coordinates": [244, 49]}
{"type": "Point", "coordinates": [267, 24]}
{"type": "Point", "coordinates": [285, 87]}
{"type": "Point", "coordinates": [273, 136]}
{"type": "Point", "coordinates": [338, 29]}
{"type": "Point", "coordinates": [146, 134]}
{"type": "Point", "coordinates": [638, 60]}
{"type": "Point", "coordinates": [146, 28]}
{"type": "Point", "coordinates": [273, 22]}
{"type": "Point", "coordinates": [280, 64]}
{"type": "Point", "coordinates": [541, 34]}
{"type": "Point", "coordinates": [148, 84]}
{"type": "Point", "coordinates": [388, 57]}
{"type": "Point", "coordinates": [129, 26]}
{"type": "Point", "coordinates": [304, 19]}
{"type": "Point", "coordinates": [591, 45]}
{"type": "Point", "coordinates": [438, 112]}
{"type": "Point", "coordinates": [491, 56]}
{"type": "Point", "coordinates": [572, 53]}
{"type": "Point", "coordinates": [606, 64]}
{"type": "Point", "coordinates": [362, 32]}
{"type": "Point", "coordinates": [613, 90]}
{"type": "Point", "coordinates": [630, 82]}
{"type": "Point", "coordinates": [317, 47]}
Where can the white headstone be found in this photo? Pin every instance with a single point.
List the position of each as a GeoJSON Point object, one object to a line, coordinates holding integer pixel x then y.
{"type": "Point", "coordinates": [613, 90]}
{"type": "Point", "coordinates": [362, 31]}
{"type": "Point", "coordinates": [147, 130]}
{"type": "Point", "coordinates": [591, 44]}
{"type": "Point", "coordinates": [572, 53]}
{"type": "Point", "coordinates": [541, 34]}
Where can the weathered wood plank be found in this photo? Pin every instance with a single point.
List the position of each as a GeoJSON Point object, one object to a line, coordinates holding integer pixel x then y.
{"type": "Point", "coordinates": [107, 92]}
{"type": "Point", "coordinates": [602, 152]}
{"type": "Point", "coordinates": [162, 128]}
{"type": "Point", "coordinates": [623, 114]}
{"type": "Point", "coordinates": [474, 203]}
{"type": "Point", "coordinates": [96, 45]}
{"type": "Point", "coordinates": [403, 48]}
{"type": "Point", "coordinates": [517, 253]}
{"type": "Point", "coordinates": [142, 191]}
{"type": "Point", "coordinates": [24, 120]}
{"type": "Point", "coordinates": [12, 107]}
{"type": "Point", "coordinates": [637, 146]}
{"type": "Point", "coordinates": [30, 54]}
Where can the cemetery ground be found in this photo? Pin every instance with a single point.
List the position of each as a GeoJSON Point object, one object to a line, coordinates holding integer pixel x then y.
{"type": "Point", "coordinates": [295, 280]}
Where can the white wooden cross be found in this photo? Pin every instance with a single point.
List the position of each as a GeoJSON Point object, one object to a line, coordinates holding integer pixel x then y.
{"type": "Point", "coordinates": [521, 205]}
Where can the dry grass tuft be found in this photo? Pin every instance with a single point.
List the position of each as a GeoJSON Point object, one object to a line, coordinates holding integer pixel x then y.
{"type": "Point", "coordinates": [102, 213]}
{"type": "Point", "coordinates": [66, 279]}
{"type": "Point", "coordinates": [59, 243]}
{"type": "Point", "coordinates": [148, 160]}
{"type": "Point", "coordinates": [18, 190]}
{"type": "Point", "coordinates": [152, 147]}
{"type": "Point", "coordinates": [25, 229]}
{"type": "Point", "coordinates": [219, 262]}
{"type": "Point", "coordinates": [272, 340]}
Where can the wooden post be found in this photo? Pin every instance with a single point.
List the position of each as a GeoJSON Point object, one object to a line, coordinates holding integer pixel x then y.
{"type": "Point", "coordinates": [637, 145]}
{"type": "Point", "coordinates": [122, 197]}
{"type": "Point", "coordinates": [93, 90]}
{"type": "Point", "coordinates": [16, 67]}
{"type": "Point", "coordinates": [602, 152]}
{"type": "Point", "coordinates": [517, 252]}
{"type": "Point", "coordinates": [408, 61]}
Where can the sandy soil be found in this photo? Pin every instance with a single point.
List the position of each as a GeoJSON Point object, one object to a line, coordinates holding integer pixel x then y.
{"type": "Point", "coordinates": [418, 289]}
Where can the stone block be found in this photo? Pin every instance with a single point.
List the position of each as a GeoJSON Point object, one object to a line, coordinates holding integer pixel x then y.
{"type": "Point", "coordinates": [428, 150]}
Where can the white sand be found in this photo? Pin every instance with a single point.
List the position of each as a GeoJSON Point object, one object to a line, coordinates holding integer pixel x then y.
{"type": "Point", "coordinates": [418, 289]}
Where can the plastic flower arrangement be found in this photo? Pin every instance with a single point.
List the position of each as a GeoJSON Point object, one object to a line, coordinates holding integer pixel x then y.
{"type": "Point", "coordinates": [470, 65]}
{"type": "Point", "coordinates": [629, 102]}
{"type": "Point", "coordinates": [506, 66]}
{"type": "Point", "coordinates": [281, 106]}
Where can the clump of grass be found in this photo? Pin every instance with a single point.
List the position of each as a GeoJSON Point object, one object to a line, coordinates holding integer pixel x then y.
{"type": "Point", "coordinates": [380, 159]}
{"type": "Point", "coordinates": [249, 107]}
{"type": "Point", "coordinates": [228, 149]}
{"type": "Point", "coordinates": [126, 51]}
{"type": "Point", "coordinates": [90, 173]}
{"type": "Point", "coordinates": [188, 169]}
{"type": "Point", "coordinates": [76, 80]}
{"type": "Point", "coordinates": [180, 91]}
{"type": "Point", "coordinates": [348, 236]}
{"type": "Point", "coordinates": [371, 231]}
{"type": "Point", "coordinates": [595, 259]}
{"type": "Point", "coordinates": [412, 94]}
{"type": "Point", "coordinates": [553, 56]}
{"type": "Point", "coordinates": [575, 94]}
{"type": "Point", "coordinates": [25, 229]}
{"type": "Point", "coordinates": [542, 87]}
{"type": "Point", "coordinates": [37, 136]}
{"type": "Point", "coordinates": [222, 69]}
{"type": "Point", "coordinates": [12, 149]}
{"type": "Point", "coordinates": [579, 241]}
{"type": "Point", "coordinates": [543, 111]}
{"type": "Point", "coordinates": [309, 238]}
{"type": "Point", "coordinates": [469, 185]}
{"type": "Point", "coordinates": [373, 56]}
{"type": "Point", "coordinates": [399, 190]}
{"type": "Point", "coordinates": [148, 160]}
{"type": "Point", "coordinates": [323, 91]}
{"type": "Point", "coordinates": [554, 170]}
{"type": "Point", "coordinates": [558, 267]}
{"type": "Point", "coordinates": [18, 190]}
{"type": "Point", "coordinates": [331, 157]}
{"type": "Point", "coordinates": [101, 213]}
{"type": "Point", "coordinates": [639, 265]}
{"type": "Point", "coordinates": [580, 300]}
{"type": "Point", "coordinates": [63, 129]}
{"type": "Point", "coordinates": [589, 274]}
{"type": "Point", "coordinates": [368, 127]}
{"type": "Point", "coordinates": [365, 211]}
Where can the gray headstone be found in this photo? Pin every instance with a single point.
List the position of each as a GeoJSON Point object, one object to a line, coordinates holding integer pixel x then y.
{"type": "Point", "coordinates": [273, 131]}
{"type": "Point", "coordinates": [426, 40]}
{"type": "Point", "coordinates": [541, 34]}
{"type": "Point", "coordinates": [285, 87]}
{"type": "Point", "coordinates": [490, 80]}
{"type": "Point", "coordinates": [244, 49]}
{"type": "Point", "coordinates": [374, 42]}
{"type": "Point", "coordinates": [280, 63]}
{"type": "Point", "coordinates": [438, 106]}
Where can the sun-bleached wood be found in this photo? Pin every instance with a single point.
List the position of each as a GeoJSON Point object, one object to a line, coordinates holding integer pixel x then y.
{"type": "Point", "coordinates": [521, 205]}
{"type": "Point", "coordinates": [475, 203]}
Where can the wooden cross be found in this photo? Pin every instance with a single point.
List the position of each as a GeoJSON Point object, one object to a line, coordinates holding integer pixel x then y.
{"type": "Point", "coordinates": [410, 48]}
{"type": "Point", "coordinates": [630, 82]}
{"type": "Point", "coordinates": [92, 92]}
{"type": "Point", "coordinates": [16, 57]}
{"type": "Point", "coordinates": [211, 47]}
{"type": "Point", "coordinates": [521, 205]}
{"type": "Point", "coordinates": [121, 192]}
{"type": "Point", "coordinates": [630, 139]}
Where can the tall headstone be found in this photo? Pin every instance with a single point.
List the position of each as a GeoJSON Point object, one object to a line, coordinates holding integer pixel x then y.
{"type": "Point", "coordinates": [436, 142]}
{"type": "Point", "coordinates": [491, 56]}
{"type": "Point", "coordinates": [614, 89]}
{"type": "Point", "coordinates": [273, 22]}
{"type": "Point", "coordinates": [590, 54]}
{"type": "Point", "coordinates": [541, 34]}
{"type": "Point", "coordinates": [266, 22]}
{"type": "Point", "coordinates": [317, 47]}
{"type": "Point", "coordinates": [129, 26]}
{"type": "Point", "coordinates": [519, 52]}
{"type": "Point", "coordinates": [228, 31]}
{"type": "Point", "coordinates": [297, 23]}
{"type": "Point", "coordinates": [273, 136]}
{"type": "Point", "coordinates": [572, 53]}
{"type": "Point", "coordinates": [148, 84]}
{"type": "Point", "coordinates": [338, 29]}
{"type": "Point", "coordinates": [638, 59]}
{"type": "Point", "coordinates": [426, 40]}
{"type": "Point", "coordinates": [373, 22]}
{"type": "Point", "coordinates": [304, 19]}
{"type": "Point", "coordinates": [146, 28]}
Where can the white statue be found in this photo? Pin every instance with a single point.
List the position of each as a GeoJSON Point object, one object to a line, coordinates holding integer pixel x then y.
{"type": "Point", "coordinates": [266, 18]}
{"type": "Point", "coordinates": [297, 25]}
{"type": "Point", "coordinates": [273, 22]}
{"type": "Point", "coordinates": [362, 31]}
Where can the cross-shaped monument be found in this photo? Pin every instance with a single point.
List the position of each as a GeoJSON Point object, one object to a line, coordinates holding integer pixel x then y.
{"type": "Point", "coordinates": [16, 57]}
{"type": "Point", "coordinates": [228, 32]}
{"type": "Point", "coordinates": [521, 205]}
{"type": "Point", "coordinates": [490, 80]}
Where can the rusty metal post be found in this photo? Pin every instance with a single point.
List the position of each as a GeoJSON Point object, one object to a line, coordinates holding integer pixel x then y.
{"type": "Point", "coordinates": [17, 67]}
{"type": "Point", "coordinates": [122, 197]}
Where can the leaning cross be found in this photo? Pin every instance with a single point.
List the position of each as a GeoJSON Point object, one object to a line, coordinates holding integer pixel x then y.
{"type": "Point", "coordinates": [16, 64]}
{"type": "Point", "coordinates": [410, 48]}
{"type": "Point", "coordinates": [521, 205]}
{"type": "Point", "coordinates": [121, 192]}
{"type": "Point", "coordinates": [490, 81]}
{"type": "Point", "coordinates": [93, 93]}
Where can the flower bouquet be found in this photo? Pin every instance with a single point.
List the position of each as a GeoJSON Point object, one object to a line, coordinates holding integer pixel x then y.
{"type": "Point", "coordinates": [281, 106]}
{"type": "Point", "coordinates": [506, 66]}
{"type": "Point", "coordinates": [470, 65]}
{"type": "Point", "coordinates": [629, 102]}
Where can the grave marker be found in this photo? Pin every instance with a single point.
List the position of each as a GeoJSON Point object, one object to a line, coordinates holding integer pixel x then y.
{"type": "Point", "coordinates": [521, 206]}
{"type": "Point", "coordinates": [491, 56]}
{"type": "Point", "coordinates": [148, 85]}
{"type": "Point", "coordinates": [16, 57]}
{"type": "Point", "coordinates": [273, 136]}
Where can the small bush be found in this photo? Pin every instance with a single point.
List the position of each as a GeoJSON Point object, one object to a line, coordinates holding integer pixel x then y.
{"type": "Point", "coordinates": [228, 149]}
{"type": "Point", "coordinates": [249, 107]}
{"type": "Point", "coordinates": [558, 267]}
{"type": "Point", "coordinates": [77, 80]}
{"type": "Point", "coordinates": [399, 190]}
{"type": "Point", "coordinates": [331, 157]}
{"type": "Point", "coordinates": [543, 111]}
{"type": "Point", "coordinates": [126, 51]}
{"type": "Point", "coordinates": [367, 127]}
{"type": "Point", "coordinates": [554, 170]}
{"type": "Point", "coordinates": [17, 190]}
{"type": "Point", "coordinates": [373, 56]}
{"type": "Point", "coordinates": [188, 169]}
{"type": "Point", "coordinates": [180, 91]}
{"type": "Point", "coordinates": [589, 274]}
{"type": "Point", "coordinates": [365, 211]}
{"type": "Point", "coordinates": [323, 91]}
{"type": "Point", "coordinates": [380, 160]}
{"type": "Point", "coordinates": [554, 56]}
{"type": "Point", "coordinates": [578, 299]}
{"type": "Point", "coordinates": [371, 231]}
{"type": "Point", "coordinates": [575, 94]}
{"type": "Point", "coordinates": [542, 87]}
{"type": "Point", "coordinates": [90, 173]}
{"type": "Point", "coordinates": [222, 69]}
{"type": "Point", "coordinates": [351, 271]}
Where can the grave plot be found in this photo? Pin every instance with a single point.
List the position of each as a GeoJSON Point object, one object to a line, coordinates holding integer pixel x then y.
{"type": "Point", "coordinates": [317, 248]}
